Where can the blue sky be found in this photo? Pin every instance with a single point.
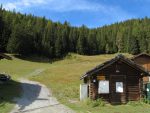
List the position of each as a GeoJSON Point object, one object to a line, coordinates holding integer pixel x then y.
{"type": "Point", "coordinates": [92, 13]}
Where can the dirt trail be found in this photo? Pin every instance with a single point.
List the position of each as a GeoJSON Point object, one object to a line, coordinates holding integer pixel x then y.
{"type": "Point", "coordinates": [36, 98]}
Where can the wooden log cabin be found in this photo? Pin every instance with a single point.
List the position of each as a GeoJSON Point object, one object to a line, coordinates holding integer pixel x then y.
{"type": "Point", "coordinates": [143, 59]}
{"type": "Point", "coordinates": [116, 81]}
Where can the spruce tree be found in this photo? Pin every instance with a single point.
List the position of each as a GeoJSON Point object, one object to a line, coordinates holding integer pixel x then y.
{"type": "Point", "coordinates": [73, 37]}
{"type": "Point", "coordinates": [58, 44]}
{"type": "Point", "coordinates": [119, 41]}
{"type": "Point", "coordinates": [92, 43]}
{"type": "Point", "coordinates": [82, 44]}
{"type": "Point", "coordinates": [48, 42]}
{"type": "Point", "coordinates": [134, 46]}
{"type": "Point", "coordinates": [20, 41]}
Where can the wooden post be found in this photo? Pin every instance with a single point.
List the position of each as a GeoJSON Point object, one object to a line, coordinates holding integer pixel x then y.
{"type": "Point", "coordinates": [95, 91]}
{"type": "Point", "coordinates": [141, 87]}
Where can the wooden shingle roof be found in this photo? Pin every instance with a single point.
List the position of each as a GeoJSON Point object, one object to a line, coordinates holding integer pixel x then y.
{"type": "Point", "coordinates": [139, 55]}
{"type": "Point", "coordinates": [109, 62]}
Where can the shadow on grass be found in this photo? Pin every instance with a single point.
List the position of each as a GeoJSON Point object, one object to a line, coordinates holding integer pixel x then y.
{"type": "Point", "coordinates": [12, 90]}
{"type": "Point", "coordinates": [8, 91]}
{"type": "Point", "coordinates": [35, 58]}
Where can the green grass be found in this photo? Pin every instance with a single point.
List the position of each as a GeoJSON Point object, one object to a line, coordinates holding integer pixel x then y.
{"type": "Point", "coordinates": [63, 78]}
{"type": "Point", "coordinates": [17, 68]}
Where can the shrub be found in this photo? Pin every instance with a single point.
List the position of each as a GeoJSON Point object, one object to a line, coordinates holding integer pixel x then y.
{"type": "Point", "coordinates": [135, 103]}
{"type": "Point", "coordinates": [145, 100]}
{"type": "Point", "coordinates": [87, 101]}
{"type": "Point", "coordinates": [94, 103]}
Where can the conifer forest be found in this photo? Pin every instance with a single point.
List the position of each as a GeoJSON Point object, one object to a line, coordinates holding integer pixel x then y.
{"type": "Point", "coordinates": [27, 34]}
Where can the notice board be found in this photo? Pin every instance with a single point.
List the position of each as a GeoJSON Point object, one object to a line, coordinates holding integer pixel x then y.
{"type": "Point", "coordinates": [103, 87]}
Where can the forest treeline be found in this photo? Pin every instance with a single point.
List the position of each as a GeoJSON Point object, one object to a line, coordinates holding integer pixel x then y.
{"type": "Point", "coordinates": [27, 34]}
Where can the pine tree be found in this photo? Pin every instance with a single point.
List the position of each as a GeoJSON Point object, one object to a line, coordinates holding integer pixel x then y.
{"type": "Point", "coordinates": [19, 42]}
{"type": "Point", "coordinates": [65, 38]}
{"type": "Point", "coordinates": [119, 41]}
{"type": "Point", "coordinates": [92, 43]}
{"type": "Point", "coordinates": [82, 41]}
{"type": "Point", "coordinates": [48, 42]}
{"type": "Point", "coordinates": [1, 31]}
{"type": "Point", "coordinates": [134, 46]}
{"type": "Point", "coordinates": [73, 37]}
{"type": "Point", "coordinates": [38, 34]}
{"type": "Point", "coordinates": [58, 44]}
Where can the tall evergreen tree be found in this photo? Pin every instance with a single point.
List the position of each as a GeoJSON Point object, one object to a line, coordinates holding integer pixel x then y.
{"type": "Point", "coordinates": [73, 37]}
{"type": "Point", "coordinates": [48, 41]}
{"type": "Point", "coordinates": [134, 46]}
{"type": "Point", "coordinates": [82, 41]}
{"type": "Point", "coordinates": [58, 44]}
{"type": "Point", "coordinates": [92, 43]}
{"type": "Point", "coordinates": [65, 38]}
{"type": "Point", "coordinates": [1, 31]}
{"type": "Point", "coordinates": [119, 41]}
{"type": "Point", "coordinates": [20, 41]}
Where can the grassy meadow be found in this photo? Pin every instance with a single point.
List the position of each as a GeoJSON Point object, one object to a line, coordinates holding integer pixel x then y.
{"type": "Point", "coordinates": [63, 79]}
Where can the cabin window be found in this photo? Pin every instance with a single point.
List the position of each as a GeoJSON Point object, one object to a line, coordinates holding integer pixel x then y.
{"type": "Point", "coordinates": [103, 87]}
{"type": "Point", "coordinates": [119, 87]}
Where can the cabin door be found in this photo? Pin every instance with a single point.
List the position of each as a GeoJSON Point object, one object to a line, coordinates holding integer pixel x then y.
{"type": "Point", "coordinates": [117, 89]}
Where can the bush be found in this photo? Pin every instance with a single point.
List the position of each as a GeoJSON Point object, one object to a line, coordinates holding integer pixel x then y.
{"type": "Point", "coordinates": [87, 101]}
{"type": "Point", "coordinates": [98, 102]}
{"type": "Point", "coordinates": [136, 103]}
{"type": "Point", "coordinates": [145, 100]}
{"type": "Point", "coordinates": [94, 103]}
{"type": "Point", "coordinates": [71, 56]}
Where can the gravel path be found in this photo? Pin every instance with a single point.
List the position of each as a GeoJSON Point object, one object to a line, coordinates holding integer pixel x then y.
{"type": "Point", "coordinates": [36, 98]}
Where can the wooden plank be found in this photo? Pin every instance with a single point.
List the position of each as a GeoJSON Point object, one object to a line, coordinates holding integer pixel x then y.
{"type": "Point", "coordinates": [101, 78]}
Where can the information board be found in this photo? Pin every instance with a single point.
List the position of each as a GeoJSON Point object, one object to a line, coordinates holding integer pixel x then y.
{"type": "Point", "coordinates": [100, 77]}
{"type": "Point", "coordinates": [119, 87]}
{"type": "Point", "coordinates": [103, 87]}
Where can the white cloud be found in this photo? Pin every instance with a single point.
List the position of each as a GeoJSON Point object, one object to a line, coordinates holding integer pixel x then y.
{"type": "Point", "coordinates": [21, 4]}
{"type": "Point", "coordinates": [72, 5]}
{"type": "Point", "coordinates": [55, 5]}
{"type": "Point", "coordinates": [85, 5]}
{"type": "Point", "coordinates": [10, 6]}
{"type": "Point", "coordinates": [113, 12]}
